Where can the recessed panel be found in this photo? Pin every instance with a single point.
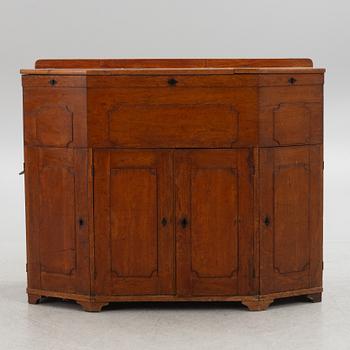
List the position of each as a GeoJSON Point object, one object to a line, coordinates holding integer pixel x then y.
{"type": "Point", "coordinates": [214, 222]}
{"type": "Point", "coordinates": [57, 220]}
{"type": "Point", "coordinates": [291, 218]}
{"type": "Point", "coordinates": [291, 124]}
{"type": "Point", "coordinates": [173, 125]}
{"type": "Point", "coordinates": [134, 233]}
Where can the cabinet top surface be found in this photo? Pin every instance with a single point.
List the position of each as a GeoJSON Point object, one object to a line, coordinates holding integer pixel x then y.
{"type": "Point", "coordinates": [164, 66]}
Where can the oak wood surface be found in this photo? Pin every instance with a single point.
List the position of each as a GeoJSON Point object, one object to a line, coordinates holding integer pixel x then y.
{"type": "Point", "coordinates": [258, 304]}
{"type": "Point", "coordinates": [57, 240]}
{"type": "Point", "coordinates": [173, 180]}
{"type": "Point", "coordinates": [291, 218]}
{"type": "Point", "coordinates": [133, 222]}
{"type": "Point", "coordinates": [172, 71]}
{"type": "Point", "coordinates": [213, 193]}
{"type": "Point", "coordinates": [172, 117]}
{"type": "Point", "coordinates": [173, 63]}
{"type": "Point", "coordinates": [99, 301]}
{"type": "Point", "coordinates": [54, 117]}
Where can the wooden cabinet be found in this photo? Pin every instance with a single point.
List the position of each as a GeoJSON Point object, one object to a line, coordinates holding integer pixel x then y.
{"type": "Point", "coordinates": [173, 180]}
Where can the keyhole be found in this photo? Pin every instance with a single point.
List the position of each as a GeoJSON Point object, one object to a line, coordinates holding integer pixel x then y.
{"type": "Point", "coordinates": [267, 221]}
{"type": "Point", "coordinates": [172, 82]}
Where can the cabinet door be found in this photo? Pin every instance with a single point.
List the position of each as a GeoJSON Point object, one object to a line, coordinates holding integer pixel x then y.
{"type": "Point", "coordinates": [133, 222]}
{"type": "Point", "coordinates": [57, 219]}
{"type": "Point", "coordinates": [214, 222]}
{"type": "Point", "coordinates": [291, 218]}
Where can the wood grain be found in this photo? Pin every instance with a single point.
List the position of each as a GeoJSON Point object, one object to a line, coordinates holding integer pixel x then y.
{"type": "Point", "coordinates": [171, 71]}
{"type": "Point", "coordinates": [214, 195]}
{"type": "Point", "coordinates": [54, 117]}
{"type": "Point", "coordinates": [172, 63]}
{"type": "Point", "coordinates": [172, 117]}
{"type": "Point", "coordinates": [57, 241]}
{"type": "Point", "coordinates": [290, 183]}
{"type": "Point", "coordinates": [134, 250]}
{"type": "Point", "coordinates": [174, 180]}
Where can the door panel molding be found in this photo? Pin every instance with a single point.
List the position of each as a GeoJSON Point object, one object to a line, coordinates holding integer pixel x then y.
{"type": "Point", "coordinates": [57, 219]}
{"type": "Point", "coordinates": [209, 256]}
{"type": "Point", "coordinates": [290, 183]}
{"type": "Point", "coordinates": [133, 194]}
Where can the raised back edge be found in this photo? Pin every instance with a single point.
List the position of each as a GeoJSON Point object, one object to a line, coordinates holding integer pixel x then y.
{"type": "Point", "coordinates": [173, 63]}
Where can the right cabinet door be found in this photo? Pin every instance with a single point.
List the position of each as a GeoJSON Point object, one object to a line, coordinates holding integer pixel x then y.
{"type": "Point", "coordinates": [214, 222]}
{"type": "Point", "coordinates": [290, 218]}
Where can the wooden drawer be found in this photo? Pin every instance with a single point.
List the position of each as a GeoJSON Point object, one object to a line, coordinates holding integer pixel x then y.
{"type": "Point", "coordinates": [54, 115]}
{"type": "Point", "coordinates": [291, 115]}
{"type": "Point", "coordinates": [152, 113]}
{"type": "Point", "coordinates": [53, 81]}
{"type": "Point", "coordinates": [290, 79]}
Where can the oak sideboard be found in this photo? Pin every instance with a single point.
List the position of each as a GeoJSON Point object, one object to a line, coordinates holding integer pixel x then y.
{"type": "Point", "coordinates": [173, 180]}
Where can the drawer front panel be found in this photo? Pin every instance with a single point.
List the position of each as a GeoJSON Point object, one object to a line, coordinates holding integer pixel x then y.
{"type": "Point", "coordinates": [179, 81]}
{"type": "Point", "coordinates": [173, 125]}
{"type": "Point", "coordinates": [290, 79]}
{"type": "Point", "coordinates": [291, 115]}
{"type": "Point", "coordinates": [172, 117]}
{"type": "Point", "coordinates": [54, 117]}
{"type": "Point", "coordinates": [53, 81]}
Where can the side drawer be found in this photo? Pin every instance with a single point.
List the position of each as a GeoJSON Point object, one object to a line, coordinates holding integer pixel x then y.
{"type": "Point", "coordinates": [291, 115]}
{"type": "Point", "coordinates": [291, 79]}
{"type": "Point", "coordinates": [54, 111]}
{"type": "Point", "coordinates": [172, 112]}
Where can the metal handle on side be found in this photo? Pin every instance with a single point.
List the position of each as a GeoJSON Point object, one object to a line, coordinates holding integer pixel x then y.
{"type": "Point", "coordinates": [22, 172]}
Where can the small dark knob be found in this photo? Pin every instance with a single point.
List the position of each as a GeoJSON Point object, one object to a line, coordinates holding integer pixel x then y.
{"type": "Point", "coordinates": [164, 221]}
{"type": "Point", "coordinates": [267, 221]}
{"type": "Point", "coordinates": [292, 80]}
{"type": "Point", "coordinates": [183, 223]}
{"type": "Point", "coordinates": [172, 82]}
{"type": "Point", "coordinates": [81, 222]}
{"type": "Point", "coordinates": [52, 82]}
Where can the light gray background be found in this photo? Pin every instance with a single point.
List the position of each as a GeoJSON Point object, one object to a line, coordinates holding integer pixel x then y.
{"type": "Point", "coordinates": [178, 28]}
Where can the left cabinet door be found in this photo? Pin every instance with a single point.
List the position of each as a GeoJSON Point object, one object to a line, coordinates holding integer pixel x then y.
{"type": "Point", "coordinates": [133, 215]}
{"type": "Point", "coordinates": [57, 219]}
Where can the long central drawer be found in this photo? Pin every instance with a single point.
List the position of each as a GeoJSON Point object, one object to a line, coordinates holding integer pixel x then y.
{"type": "Point", "coordinates": [169, 111]}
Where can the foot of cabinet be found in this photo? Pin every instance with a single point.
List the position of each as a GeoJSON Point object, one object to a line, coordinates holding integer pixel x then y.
{"type": "Point", "coordinates": [33, 298]}
{"type": "Point", "coordinates": [91, 306]}
{"type": "Point", "coordinates": [315, 298]}
{"type": "Point", "coordinates": [258, 304]}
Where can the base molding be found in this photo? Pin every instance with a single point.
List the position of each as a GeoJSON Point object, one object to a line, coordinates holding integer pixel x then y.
{"type": "Point", "coordinates": [96, 303]}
